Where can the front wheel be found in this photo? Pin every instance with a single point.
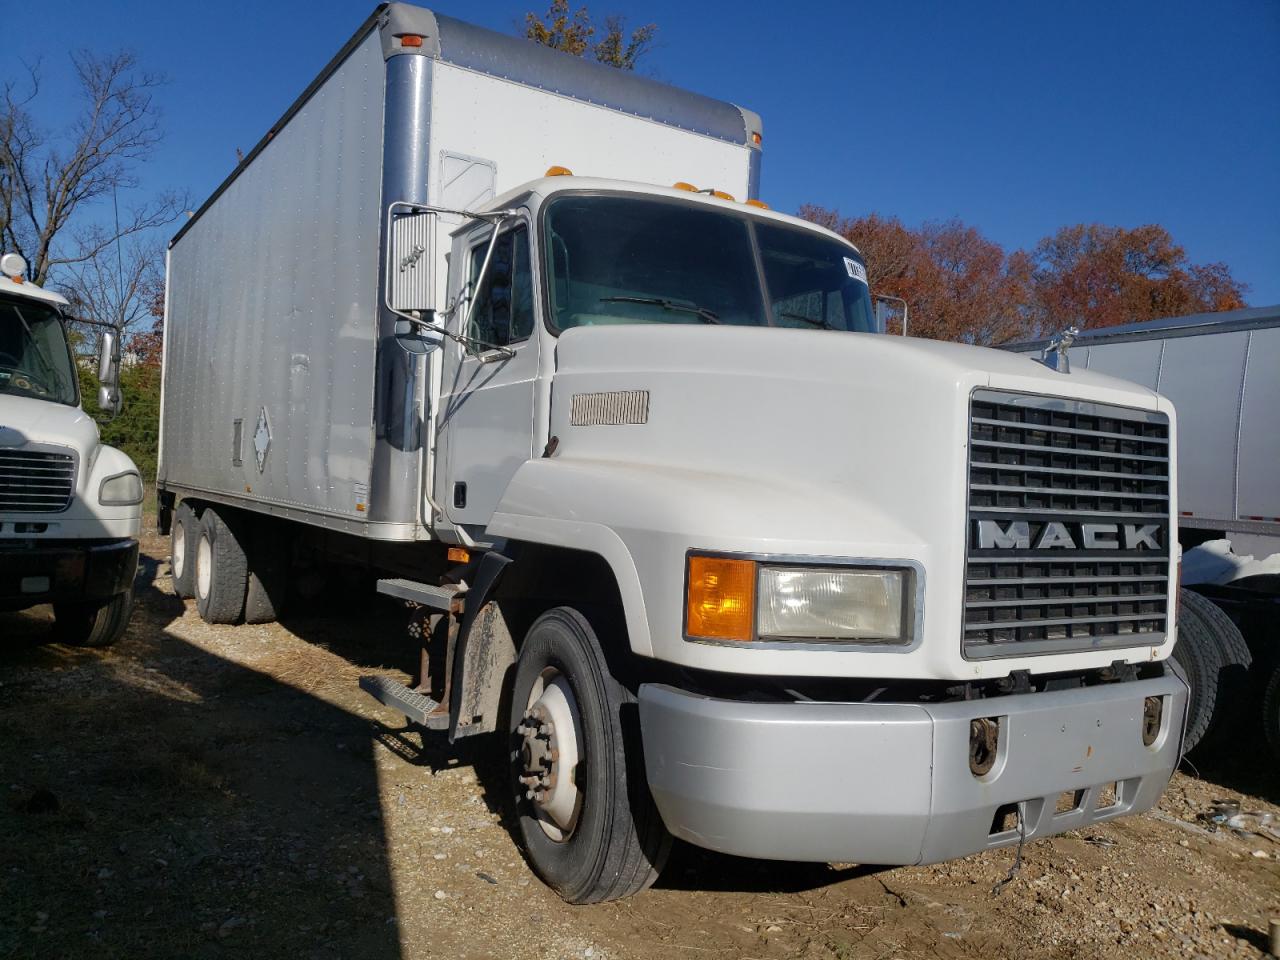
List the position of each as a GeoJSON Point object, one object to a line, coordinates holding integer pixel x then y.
{"type": "Point", "coordinates": [586, 818]}
{"type": "Point", "coordinates": [93, 624]}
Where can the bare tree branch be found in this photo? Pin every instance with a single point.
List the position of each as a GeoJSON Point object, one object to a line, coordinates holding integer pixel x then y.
{"type": "Point", "coordinates": [47, 185]}
{"type": "Point", "coordinates": [110, 286]}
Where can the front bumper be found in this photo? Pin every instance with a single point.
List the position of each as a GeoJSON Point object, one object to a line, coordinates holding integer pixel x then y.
{"type": "Point", "coordinates": [55, 571]}
{"type": "Point", "coordinates": [889, 783]}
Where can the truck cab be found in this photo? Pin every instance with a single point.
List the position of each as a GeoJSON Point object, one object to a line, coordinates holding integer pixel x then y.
{"type": "Point", "coordinates": [70, 506]}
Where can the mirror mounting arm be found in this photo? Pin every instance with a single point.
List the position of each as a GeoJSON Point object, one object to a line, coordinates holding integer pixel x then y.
{"type": "Point", "coordinates": [410, 261]}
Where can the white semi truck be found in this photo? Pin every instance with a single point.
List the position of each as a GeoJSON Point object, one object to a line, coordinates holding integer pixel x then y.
{"type": "Point", "coordinates": [712, 555]}
{"type": "Point", "coordinates": [70, 506]}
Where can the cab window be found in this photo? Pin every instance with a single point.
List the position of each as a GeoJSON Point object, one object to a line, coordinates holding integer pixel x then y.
{"type": "Point", "coordinates": [503, 312]}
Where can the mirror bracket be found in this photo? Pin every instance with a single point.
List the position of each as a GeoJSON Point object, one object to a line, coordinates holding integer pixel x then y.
{"type": "Point", "coordinates": [396, 286]}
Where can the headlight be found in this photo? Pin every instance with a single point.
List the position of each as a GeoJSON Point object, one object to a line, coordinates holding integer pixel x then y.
{"type": "Point", "coordinates": [122, 490]}
{"type": "Point", "coordinates": [744, 600]}
{"type": "Point", "coordinates": [813, 603]}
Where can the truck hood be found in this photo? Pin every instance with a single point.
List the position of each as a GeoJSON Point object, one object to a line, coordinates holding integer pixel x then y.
{"type": "Point", "coordinates": [862, 432]}
{"type": "Point", "coordinates": [831, 357]}
{"type": "Point", "coordinates": [25, 420]}
{"type": "Point", "coordinates": [801, 445]}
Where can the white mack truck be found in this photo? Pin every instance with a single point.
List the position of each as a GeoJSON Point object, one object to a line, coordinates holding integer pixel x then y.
{"type": "Point", "coordinates": [710, 554]}
{"type": "Point", "coordinates": [70, 506]}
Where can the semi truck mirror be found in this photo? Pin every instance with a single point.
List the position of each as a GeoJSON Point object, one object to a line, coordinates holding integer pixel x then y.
{"type": "Point", "coordinates": [886, 310]}
{"type": "Point", "coordinates": [410, 256]}
{"type": "Point", "coordinates": [109, 398]}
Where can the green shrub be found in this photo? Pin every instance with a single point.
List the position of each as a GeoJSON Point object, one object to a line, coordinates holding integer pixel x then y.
{"type": "Point", "coordinates": [137, 430]}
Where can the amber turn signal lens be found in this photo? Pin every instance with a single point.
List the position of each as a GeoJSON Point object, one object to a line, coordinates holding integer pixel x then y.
{"type": "Point", "coordinates": [459, 555]}
{"type": "Point", "coordinates": [410, 40]}
{"type": "Point", "coordinates": [722, 598]}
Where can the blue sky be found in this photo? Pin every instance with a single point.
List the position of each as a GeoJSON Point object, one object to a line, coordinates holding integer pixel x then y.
{"type": "Point", "coordinates": [1015, 117]}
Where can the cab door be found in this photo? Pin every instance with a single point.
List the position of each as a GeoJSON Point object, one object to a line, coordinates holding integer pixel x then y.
{"type": "Point", "coordinates": [487, 394]}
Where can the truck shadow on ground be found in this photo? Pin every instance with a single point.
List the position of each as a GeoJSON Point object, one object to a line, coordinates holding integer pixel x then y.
{"type": "Point", "coordinates": [163, 801]}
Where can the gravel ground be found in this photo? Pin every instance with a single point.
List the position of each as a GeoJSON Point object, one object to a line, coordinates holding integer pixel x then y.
{"type": "Point", "coordinates": [203, 791]}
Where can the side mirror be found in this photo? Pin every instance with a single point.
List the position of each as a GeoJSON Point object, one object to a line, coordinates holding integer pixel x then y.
{"type": "Point", "coordinates": [885, 310]}
{"type": "Point", "coordinates": [109, 398]}
{"type": "Point", "coordinates": [411, 256]}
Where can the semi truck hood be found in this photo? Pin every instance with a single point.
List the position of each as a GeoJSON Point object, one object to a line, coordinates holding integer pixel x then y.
{"type": "Point", "coordinates": [25, 420]}
{"type": "Point", "coordinates": [792, 444]}
{"type": "Point", "coordinates": [838, 412]}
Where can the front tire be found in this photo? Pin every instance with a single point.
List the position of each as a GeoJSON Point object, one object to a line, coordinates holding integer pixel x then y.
{"type": "Point", "coordinates": [221, 569]}
{"type": "Point", "coordinates": [585, 816]}
{"type": "Point", "coordinates": [93, 624]}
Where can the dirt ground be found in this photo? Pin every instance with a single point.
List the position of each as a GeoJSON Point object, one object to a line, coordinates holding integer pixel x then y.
{"type": "Point", "coordinates": [204, 791]}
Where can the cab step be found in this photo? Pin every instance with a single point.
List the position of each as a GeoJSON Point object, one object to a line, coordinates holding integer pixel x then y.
{"type": "Point", "coordinates": [438, 598]}
{"type": "Point", "coordinates": [417, 707]}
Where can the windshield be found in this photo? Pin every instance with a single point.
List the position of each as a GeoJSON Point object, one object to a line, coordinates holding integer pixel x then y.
{"type": "Point", "coordinates": [617, 259]}
{"type": "Point", "coordinates": [34, 360]}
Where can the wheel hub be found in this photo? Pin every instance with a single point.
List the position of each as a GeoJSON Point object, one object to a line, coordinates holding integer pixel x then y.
{"type": "Point", "coordinates": [548, 755]}
{"type": "Point", "coordinates": [538, 753]}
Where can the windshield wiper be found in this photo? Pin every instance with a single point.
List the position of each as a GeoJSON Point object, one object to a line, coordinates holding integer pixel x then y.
{"type": "Point", "coordinates": [812, 321]}
{"type": "Point", "coordinates": [702, 313]}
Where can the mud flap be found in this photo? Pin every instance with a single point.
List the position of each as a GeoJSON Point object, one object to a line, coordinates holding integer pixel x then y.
{"type": "Point", "coordinates": [484, 652]}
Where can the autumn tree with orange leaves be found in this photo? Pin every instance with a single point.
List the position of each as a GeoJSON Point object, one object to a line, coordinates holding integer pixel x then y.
{"type": "Point", "coordinates": [959, 284]}
{"type": "Point", "coordinates": [963, 286]}
{"type": "Point", "coordinates": [1100, 276]}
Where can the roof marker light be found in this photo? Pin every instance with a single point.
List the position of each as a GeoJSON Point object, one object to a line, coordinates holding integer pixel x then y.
{"type": "Point", "coordinates": [756, 203]}
{"type": "Point", "coordinates": [720, 194]}
{"type": "Point", "coordinates": [558, 171]}
{"type": "Point", "coordinates": [681, 185]}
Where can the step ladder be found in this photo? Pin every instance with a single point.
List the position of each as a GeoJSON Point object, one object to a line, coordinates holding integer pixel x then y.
{"type": "Point", "coordinates": [417, 707]}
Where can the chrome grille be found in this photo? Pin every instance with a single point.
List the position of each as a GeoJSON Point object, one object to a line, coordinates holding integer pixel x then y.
{"type": "Point", "coordinates": [35, 481]}
{"type": "Point", "coordinates": [1068, 528]}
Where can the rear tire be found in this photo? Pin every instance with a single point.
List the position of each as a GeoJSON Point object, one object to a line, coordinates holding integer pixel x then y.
{"type": "Point", "coordinates": [221, 569]}
{"type": "Point", "coordinates": [93, 624]}
{"type": "Point", "coordinates": [268, 586]}
{"type": "Point", "coordinates": [609, 841]}
{"type": "Point", "coordinates": [183, 535]}
{"type": "Point", "coordinates": [1210, 650]}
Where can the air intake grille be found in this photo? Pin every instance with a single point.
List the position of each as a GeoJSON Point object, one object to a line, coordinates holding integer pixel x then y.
{"type": "Point", "coordinates": [33, 481]}
{"type": "Point", "coordinates": [1068, 531]}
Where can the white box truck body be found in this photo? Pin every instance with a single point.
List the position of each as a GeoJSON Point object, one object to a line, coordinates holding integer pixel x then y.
{"type": "Point", "coordinates": [713, 555]}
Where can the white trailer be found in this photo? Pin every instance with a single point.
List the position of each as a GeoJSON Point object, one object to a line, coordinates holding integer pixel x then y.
{"type": "Point", "coordinates": [710, 554]}
{"type": "Point", "coordinates": [1220, 369]}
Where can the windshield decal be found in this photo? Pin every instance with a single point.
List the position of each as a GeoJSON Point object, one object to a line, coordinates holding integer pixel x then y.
{"type": "Point", "coordinates": [856, 270]}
